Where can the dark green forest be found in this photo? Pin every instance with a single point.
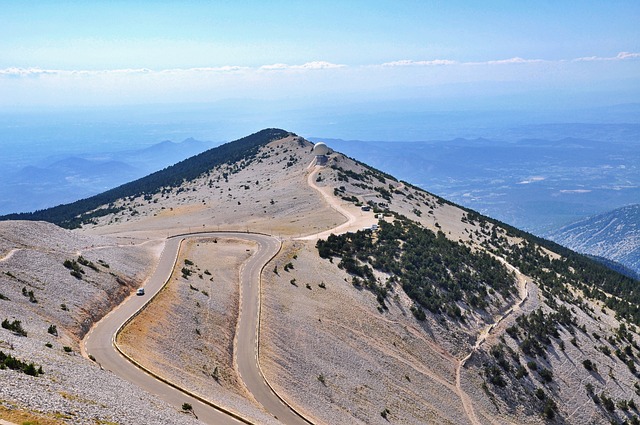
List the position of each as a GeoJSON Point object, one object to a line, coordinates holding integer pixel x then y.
{"type": "Point", "coordinates": [435, 272]}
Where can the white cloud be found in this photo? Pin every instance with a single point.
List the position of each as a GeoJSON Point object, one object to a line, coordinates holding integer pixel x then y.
{"type": "Point", "coordinates": [25, 72]}
{"type": "Point", "coordinates": [275, 66]}
{"type": "Point", "coordinates": [408, 62]}
{"type": "Point", "coordinates": [443, 62]}
{"type": "Point", "coordinates": [618, 57]}
{"type": "Point", "coordinates": [36, 72]}
{"type": "Point", "coordinates": [16, 72]}
{"type": "Point", "coordinates": [203, 70]}
{"type": "Point", "coordinates": [227, 68]}
{"type": "Point", "coordinates": [532, 180]}
{"type": "Point", "coordinates": [128, 71]}
{"type": "Point", "coordinates": [510, 61]}
{"type": "Point", "coordinates": [628, 55]}
{"type": "Point", "coordinates": [306, 66]}
{"type": "Point", "coordinates": [575, 191]}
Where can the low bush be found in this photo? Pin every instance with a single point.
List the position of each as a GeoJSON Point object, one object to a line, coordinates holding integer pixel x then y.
{"type": "Point", "coordinates": [53, 330]}
{"type": "Point", "coordinates": [7, 361]}
{"type": "Point", "coordinates": [15, 327]}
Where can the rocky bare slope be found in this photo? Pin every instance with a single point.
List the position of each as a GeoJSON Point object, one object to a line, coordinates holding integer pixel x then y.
{"type": "Point", "coordinates": [187, 334]}
{"type": "Point", "coordinates": [550, 351]}
{"type": "Point", "coordinates": [55, 309]}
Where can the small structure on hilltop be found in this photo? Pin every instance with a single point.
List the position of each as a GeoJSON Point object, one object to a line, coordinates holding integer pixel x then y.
{"type": "Point", "coordinates": [320, 150]}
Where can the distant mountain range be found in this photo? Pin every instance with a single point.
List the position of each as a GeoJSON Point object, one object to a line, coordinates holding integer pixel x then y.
{"type": "Point", "coordinates": [614, 235]}
{"type": "Point", "coordinates": [62, 178]}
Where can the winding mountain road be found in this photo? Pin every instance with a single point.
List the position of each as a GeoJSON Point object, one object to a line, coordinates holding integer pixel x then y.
{"type": "Point", "coordinates": [356, 219]}
{"type": "Point", "coordinates": [101, 344]}
{"type": "Point", "coordinates": [100, 341]}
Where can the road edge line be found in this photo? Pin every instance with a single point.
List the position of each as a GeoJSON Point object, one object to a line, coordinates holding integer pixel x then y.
{"type": "Point", "coordinates": [155, 375]}
{"type": "Point", "coordinates": [258, 339]}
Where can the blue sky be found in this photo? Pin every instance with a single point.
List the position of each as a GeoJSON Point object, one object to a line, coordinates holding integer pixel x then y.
{"type": "Point", "coordinates": [79, 53]}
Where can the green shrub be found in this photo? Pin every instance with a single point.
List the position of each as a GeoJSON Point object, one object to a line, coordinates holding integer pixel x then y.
{"type": "Point", "coordinates": [607, 402]}
{"type": "Point", "coordinates": [32, 297]}
{"type": "Point", "coordinates": [546, 375]}
{"type": "Point", "coordinates": [186, 272]}
{"type": "Point", "coordinates": [418, 313]}
{"type": "Point", "coordinates": [15, 327]}
{"type": "Point", "coordinates": [322, 380]}
{"type": "Point", "coordinates": [623, 405]}
{"type": "Point", "coordinates": [385, 413]}
{"type": "Point", "coordinates": [7, 361]}
{"type": "Point", "coordinates": [87, 263]}
{"type": "Point", "coordinates": [521, 372]}
{"type": "Point", "coordinates": [53, 330]}
{"type": "Point", "coordinates": [549, 411]}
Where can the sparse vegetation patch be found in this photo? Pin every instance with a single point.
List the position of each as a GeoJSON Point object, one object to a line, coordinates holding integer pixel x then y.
{"type": "Point", "coordinates": [7, 361]}
{"type": "Point", "coordinates": [15, 327]}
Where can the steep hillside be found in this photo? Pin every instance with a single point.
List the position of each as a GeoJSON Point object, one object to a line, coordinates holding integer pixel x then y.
{"type": "Point", "coordinates": [265, 191]}
{"type": "Point", "coordinates": [614, 235]}
{"type": "Point", "coordinates": [400, 321]}
{"type": "Point", "coordinates": [534, 182]}
{"type": "Point", "coordinates": [54, 284]}
{"type": "Point", "coordinates": [385, 303]}
{"type": "Point", "coordinates": [74, 214]}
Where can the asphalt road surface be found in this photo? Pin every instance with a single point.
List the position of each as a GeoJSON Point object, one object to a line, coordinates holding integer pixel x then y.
{"type": "Point", "coordinates": [99, 341]}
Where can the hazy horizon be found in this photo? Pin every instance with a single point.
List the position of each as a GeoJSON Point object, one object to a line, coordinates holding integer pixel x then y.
{"type": "Point", "coordinates": [442, 55]}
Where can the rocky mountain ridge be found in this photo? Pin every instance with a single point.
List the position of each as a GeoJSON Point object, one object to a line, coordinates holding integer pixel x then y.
{"type": "Point", "coordinates": [436, 313]}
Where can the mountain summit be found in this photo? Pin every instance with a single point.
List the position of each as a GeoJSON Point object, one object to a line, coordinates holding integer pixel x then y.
{"type": "Point", "coordinates": [373, 301]}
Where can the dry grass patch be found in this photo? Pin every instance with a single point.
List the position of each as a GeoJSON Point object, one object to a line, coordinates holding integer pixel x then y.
{"type": "Point", "coordinates": [22, 417]}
